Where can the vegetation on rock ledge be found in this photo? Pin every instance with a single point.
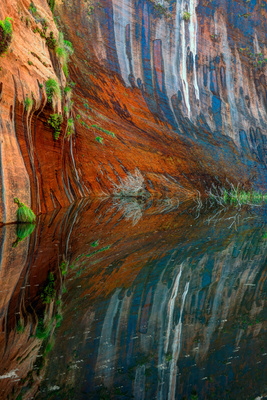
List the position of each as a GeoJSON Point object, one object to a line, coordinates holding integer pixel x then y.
{"type": "Point", "coordinates": [28, 103]}
{"type": "Point", "coordinates": [64, 50]}
{"type": "Point", "coordinates": [5, 34]}
{"type": "Point", "coordinates": [53, 91]}
{"type": "Point", "coordinates": [55, 120]}
{"type": "Point", "coordinates": [186, 16]}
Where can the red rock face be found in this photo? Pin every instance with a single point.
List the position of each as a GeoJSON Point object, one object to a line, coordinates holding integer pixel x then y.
{"type": "Point", "coordinates": [182, 102]}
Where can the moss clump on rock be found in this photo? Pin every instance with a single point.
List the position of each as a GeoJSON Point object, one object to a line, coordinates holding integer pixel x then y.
{"type": "Point", "coordinates": [24, 213]}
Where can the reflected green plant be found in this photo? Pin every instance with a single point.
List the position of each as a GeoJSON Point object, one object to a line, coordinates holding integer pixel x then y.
{"type": "Point", "coordinates": [237, 197]}
{"type": "Point", "coordinates": [42, 331]}
{"type": "Point", "coordinates": [20, 327]}
{"type": "Point", "coordinates": [49, 291]}
{"type": "Point", "coordinates": [23, 231]}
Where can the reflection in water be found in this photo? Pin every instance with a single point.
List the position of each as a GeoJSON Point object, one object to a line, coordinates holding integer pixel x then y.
{"type": "Point", "coordinates": [135, 299]}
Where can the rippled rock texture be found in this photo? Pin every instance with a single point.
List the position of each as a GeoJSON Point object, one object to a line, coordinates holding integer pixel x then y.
{"type": "Point", "coordinates": [182, 101]}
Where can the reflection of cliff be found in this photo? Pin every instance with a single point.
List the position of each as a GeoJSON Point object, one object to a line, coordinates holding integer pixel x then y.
{"type": "Point", "coordinates": [30, 302]}
{"type": "Point", "coordinates": [169, 306]}
{"type": "Point", "coordinates": [184, 102]}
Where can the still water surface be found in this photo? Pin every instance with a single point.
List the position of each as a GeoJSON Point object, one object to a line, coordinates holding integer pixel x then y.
{"type": "Point", "coordinates": [131, 300]}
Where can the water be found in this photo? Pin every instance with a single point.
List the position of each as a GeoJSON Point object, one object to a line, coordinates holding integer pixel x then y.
{"type": "Point", "coordinates": [143, 300]}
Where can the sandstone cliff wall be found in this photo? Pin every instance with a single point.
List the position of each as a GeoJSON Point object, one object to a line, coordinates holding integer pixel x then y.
{"type": "Point", "coordinates": [184, 102]}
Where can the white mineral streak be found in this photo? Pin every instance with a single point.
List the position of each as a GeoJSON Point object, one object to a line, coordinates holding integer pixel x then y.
{"type": "Point", "coordinates": [122, 14]}
{"type": "Point", "coordinates": [176, 346]}
{"type": "Point", "coordinates": [193, 27]}
{"type": "Point", "coordinates": [171, 306]}
{"type": "Point", "coordinates": [183, 71]}
{"type": "Point", "coordinates": [107, 350]}
{"type": "Point", "coordinates": [174, 46]}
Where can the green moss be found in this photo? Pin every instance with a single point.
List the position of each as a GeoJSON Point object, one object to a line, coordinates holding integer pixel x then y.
{"type": "Point", "coordinates": [104, 130]}
{"type": "Point", "coordinates": [55, 121]}
{"type": "Point", "coordinates": [24, 214]}
{"type": "Point", "coordinates": [6, 33]}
